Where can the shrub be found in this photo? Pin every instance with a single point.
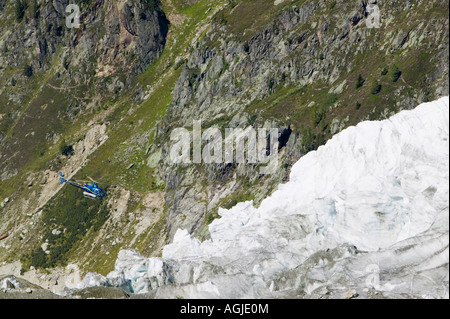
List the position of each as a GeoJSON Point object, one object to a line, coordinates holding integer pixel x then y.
{"type": "Point", "coordinates": [66, 63]}
{"type": "Point", "coordinates": [65, 149]}
{"type": "Point", "coordinates": [309, 140]}
{"type": "Point", "coordinates": [246, 47]}
{"type": "Point", "coordinates": [180, 63]}
{"type": "Point", "coordinates": [59, 31]}
{"type": "Point", "coordinates": [395, 74]}
{"type": "Point", "coordinates": [35, 9]}
{"type": "Point", "coordinates": [375, 88]}
{"type": "Point", "coordinates": [271, 85]}
{"type": "Point", "coordinates": [360, 81]}
{"type": "Point", "coordinates": [28, 71]}
{"type": "Point", "coordinates": [318, 114]}
{"type": "Point", "coordinates": [332, 5]}
{"type": "Point", "coordinates": [21, 7]}
{"type": "Point", "coordinates": [39, 258]}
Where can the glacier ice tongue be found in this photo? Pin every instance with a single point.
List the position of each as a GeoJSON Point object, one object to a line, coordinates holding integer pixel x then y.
{"type": "Point", "coordinates": [93, 280]}
{"type": "Point", "coordinates": [7, 282]}
{"type": "Point", "coordinates": [369, 211]}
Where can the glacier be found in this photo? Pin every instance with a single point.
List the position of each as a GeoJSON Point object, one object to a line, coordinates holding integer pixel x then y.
{"type": "Point", "coordinates": [368, 212]}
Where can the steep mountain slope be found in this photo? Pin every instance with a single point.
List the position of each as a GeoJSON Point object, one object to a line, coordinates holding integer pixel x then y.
{"type": "Point", "coordinates": [116, 88]}
{"type": "Point", "coordinates": [295, 66]}
{"type": "Point", "coordinates": [372, 202]}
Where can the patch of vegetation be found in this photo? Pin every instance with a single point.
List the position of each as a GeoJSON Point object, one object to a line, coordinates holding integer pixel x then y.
{"type": "Point", "coordinates": [331, 5]}
{"type": "Point", "coordinates": [210, 217]}
{"type": "Point", "coordinates": [86, 3]}
{"type": "Point", "coordinates": [318, 113]}
{"type": "Point", "coordinates": [311, 141]}
{"type": "Point", "coordinates": [71, 214]}
{"type": "Point", "coordinates": [21, 7]}
{"type": "Point", "coordinates": [66, 149]}
{"type": "Point", "coordinates": [246, 194]}
{"type": "Point", "coordinates": [245, 17]}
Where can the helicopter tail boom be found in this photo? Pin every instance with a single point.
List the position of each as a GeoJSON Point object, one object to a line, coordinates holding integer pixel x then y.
{"type": "Point", "coordinates": [62, 181]}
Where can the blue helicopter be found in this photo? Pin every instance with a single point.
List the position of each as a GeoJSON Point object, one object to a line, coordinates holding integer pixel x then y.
{"type": "Point", "coordinates": [91, 190]}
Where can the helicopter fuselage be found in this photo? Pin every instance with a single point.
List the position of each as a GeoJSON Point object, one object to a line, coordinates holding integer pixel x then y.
{"type": "Point", "coordinates": [90, 189]}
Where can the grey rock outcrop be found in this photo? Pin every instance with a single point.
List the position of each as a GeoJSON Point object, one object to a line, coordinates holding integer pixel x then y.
{"type": "Point", "coordinates": [299, 47]}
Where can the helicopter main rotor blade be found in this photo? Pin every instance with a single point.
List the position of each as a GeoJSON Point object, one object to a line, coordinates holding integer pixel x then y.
{"type": "Point", "coordinates": [92, 180]}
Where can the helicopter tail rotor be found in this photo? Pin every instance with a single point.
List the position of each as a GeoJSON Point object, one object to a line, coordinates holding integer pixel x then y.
{"type": "Point", "coordinates": [62, 180]}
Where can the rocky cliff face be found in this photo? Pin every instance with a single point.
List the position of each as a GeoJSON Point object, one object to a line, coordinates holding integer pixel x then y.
{"type": "Point", "coordinates": [303, 62]}
{"type": "Point", "coordinates": [69, 70]}
{"type": "Point", "coordinates": [135, 70]}
{"type": "Point", "coordinates": [55, 82]}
